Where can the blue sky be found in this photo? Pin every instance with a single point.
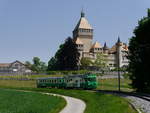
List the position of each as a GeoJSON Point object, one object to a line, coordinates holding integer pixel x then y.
{"type": "Point", "coordinates": [31, 28]}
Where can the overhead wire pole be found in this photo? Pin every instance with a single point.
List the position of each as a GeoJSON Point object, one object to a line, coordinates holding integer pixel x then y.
{"type": "Point", "coordinates": [119, 74]}
{"type": "Point", "coordinates": [119, 58]}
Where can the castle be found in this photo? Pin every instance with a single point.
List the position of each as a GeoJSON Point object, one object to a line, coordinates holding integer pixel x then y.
{"type": "Point", "coordinates": [83, 37]}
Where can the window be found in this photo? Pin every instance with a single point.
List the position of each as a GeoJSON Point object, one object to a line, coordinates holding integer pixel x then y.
{"type": "Point", "coordinates": [16, 65]}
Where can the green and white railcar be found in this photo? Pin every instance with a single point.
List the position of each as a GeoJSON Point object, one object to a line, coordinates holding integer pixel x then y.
{"type": "Point", "coordinates": [87, 81]}
{"type": "Point", "coordinates": [51, 82]}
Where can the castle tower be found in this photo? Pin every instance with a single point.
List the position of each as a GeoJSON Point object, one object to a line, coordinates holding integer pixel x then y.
{"type": "Point", "coordinates": [84, 32]}
{"type": "Point", "coordinates": [119, 52]}
{"type": "Point", "coordinates": [105, 48]}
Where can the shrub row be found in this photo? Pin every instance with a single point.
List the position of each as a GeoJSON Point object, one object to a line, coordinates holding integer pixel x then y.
{"type": "Point", "coordinates": [67, 72]}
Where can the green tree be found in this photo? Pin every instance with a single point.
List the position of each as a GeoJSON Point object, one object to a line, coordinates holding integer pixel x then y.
{"type": "Point", "coordinates": [28, 64]}
{"type": "Point", "coordinates": [139, 55]}
{"type": "Point", "coordinates": [67, 57]}
{"type": "Point", "coordinates": [85, 62]}
{"type": "Point", "coordinates": [101, 61]}
{"type": "Point", "coordinates": [37, 66]}
{"type": "Point", "coordinates": [52, 64]}
{"type": "Point", "coordinates": [43, 67]}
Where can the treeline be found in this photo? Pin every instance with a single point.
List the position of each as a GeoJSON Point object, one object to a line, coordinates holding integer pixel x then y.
{"type": "Point", "coordinates": [139, 47]}
{"type": "Point", "coordinates": [67, 58]}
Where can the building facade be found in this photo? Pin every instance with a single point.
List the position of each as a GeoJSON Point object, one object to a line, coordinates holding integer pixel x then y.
{"type": "Point", "coordinates": [14, 67]}
{"type": "Point", "coordinates": [83, 37]}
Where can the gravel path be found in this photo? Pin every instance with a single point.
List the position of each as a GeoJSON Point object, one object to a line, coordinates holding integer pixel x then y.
{"type": "Point", "coordinates": [139, 103]}
{"type": "Point", "coordinates": [73, 105]}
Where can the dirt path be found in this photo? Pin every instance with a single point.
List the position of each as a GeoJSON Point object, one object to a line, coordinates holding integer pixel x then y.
{"type": "Point", "coordinates": [74, 105]}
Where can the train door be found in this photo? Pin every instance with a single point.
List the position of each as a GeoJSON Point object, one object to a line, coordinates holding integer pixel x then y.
{"type": "Point", "coordinates": [78, 82]}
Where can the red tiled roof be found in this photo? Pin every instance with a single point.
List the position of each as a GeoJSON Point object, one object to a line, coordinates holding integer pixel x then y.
{"type": "Point", "coordinates": [4, 64]}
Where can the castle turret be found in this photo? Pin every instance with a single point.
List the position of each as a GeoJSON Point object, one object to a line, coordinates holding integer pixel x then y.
{"type": "Point", "coordinates": [96, 48]}
{"type": "Point", "coordinates": [119, 52]}
{"type": "Point", "coordinates": [84, 32]}
{"type": "Point", "coordinates": [80, 46]}
{"type": "Point", "coordinates": [105, 48]}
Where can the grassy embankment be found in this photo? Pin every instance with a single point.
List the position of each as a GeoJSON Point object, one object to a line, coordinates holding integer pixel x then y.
{"type": "Point", "coordinates": [96, 102]}
{"type": "Point", "coordinates": [12, 101]}
{"type": "Point", "coordinates": [104, 84]}
{"type": "Point", "coordinates": [112, 84]}
{"type": "Point", "coordinates": [30, 76]}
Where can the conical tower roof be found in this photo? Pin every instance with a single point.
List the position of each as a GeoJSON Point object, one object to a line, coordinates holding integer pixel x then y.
{"type": "Point", "coordinates": [96, 45]}
{"type": "Point", "coordinates": [105, 47]}
{"type": "Point", "coordinates": [83, 23]}
{"type": "Point", "coordinates": [78, 41]}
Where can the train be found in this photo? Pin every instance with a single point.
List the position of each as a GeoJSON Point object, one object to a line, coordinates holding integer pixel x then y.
{"type": "Point", "coordinates": [84, 81]}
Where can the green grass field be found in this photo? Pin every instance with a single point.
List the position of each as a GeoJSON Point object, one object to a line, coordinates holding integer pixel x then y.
{"type": "Point", "coordinates": [17, 83]}
{"type": "Point", "coordinates": [96, 102]}
{"type": "Point", "coordinates": [30, 76]}
{"type": "Point", "coordinates": [12, 101]}
{"type": "Point", "coordinates": [104, 84]}
{"type": "Point", "coordinates": [112, 84]}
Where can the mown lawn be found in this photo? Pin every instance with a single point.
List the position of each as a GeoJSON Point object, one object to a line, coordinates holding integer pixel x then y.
{"type": "Point", "coordinates": [112, 84]}
{"type": "Point", "coordinates": [96, 102]}
{"type": "Point", "coordinates": [30, 76]}
{"type": "Point", "coordinates": [17, 83]}
{"type": "Point", "coordinates": [12, 101]}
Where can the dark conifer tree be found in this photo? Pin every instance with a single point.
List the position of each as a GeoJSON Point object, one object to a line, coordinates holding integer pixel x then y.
{"type": "Point", "coordinates": [67, 57]}
{"type": "Point", "coordinates": [139, 55]}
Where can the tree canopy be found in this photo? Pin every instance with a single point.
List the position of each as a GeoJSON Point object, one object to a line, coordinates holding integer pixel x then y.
{"type": "Point", "coordinates": [86, 62]}
{"type": "Point", "coordinates": [66, 58]}
{"type": "Point", "coordinates": [139, 55]}
{"type": "Point", "coordinates": [101, 61]}
{"type": "Point", "coordinates": [37, 66]}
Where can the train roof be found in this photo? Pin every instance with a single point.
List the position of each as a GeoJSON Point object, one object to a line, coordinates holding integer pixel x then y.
{"type": "Point", "coordinates": [50, 78]}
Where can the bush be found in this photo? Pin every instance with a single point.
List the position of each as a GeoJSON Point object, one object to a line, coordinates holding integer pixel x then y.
{"type": "Point", "coordinates": [67, 72]}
